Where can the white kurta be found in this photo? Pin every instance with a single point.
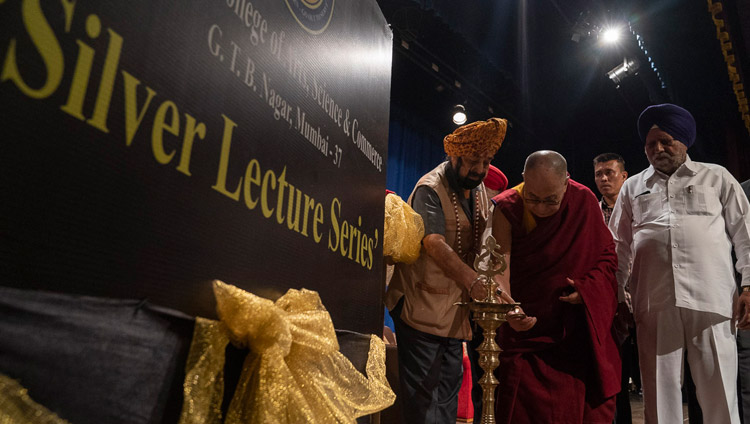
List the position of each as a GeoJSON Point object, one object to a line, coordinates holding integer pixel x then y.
{"type": "Point", "coordinates": [679, 231]}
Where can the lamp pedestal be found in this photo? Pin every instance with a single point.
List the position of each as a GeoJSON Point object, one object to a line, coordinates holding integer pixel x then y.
{"type": "Point", "coordinates": [489, 314]}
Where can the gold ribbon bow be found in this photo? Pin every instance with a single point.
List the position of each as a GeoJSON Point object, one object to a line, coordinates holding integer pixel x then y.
{"type": "Point", "coordinates": [294, 372]}
{"type": "Point", "coordinates": [16, 407]}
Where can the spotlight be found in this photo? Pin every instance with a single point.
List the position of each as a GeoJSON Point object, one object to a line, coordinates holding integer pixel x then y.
{"type": "Point", "coordinates": [625, 69]}
{"type": "Point", "coordinates": [459, 114]}
{"type": "Point", "coordinates": [611, 35]}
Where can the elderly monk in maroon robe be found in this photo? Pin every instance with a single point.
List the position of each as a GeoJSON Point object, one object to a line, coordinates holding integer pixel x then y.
{"type": "Point", "coordinates": [560, 363]}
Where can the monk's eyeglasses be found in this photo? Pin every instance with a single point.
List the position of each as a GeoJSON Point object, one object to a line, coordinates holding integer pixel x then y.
{"type": "Point", "coordinates": [545, 202]}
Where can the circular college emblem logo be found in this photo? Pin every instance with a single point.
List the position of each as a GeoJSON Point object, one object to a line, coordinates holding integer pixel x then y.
{"type": "Point", "coordinates": [312, 15]}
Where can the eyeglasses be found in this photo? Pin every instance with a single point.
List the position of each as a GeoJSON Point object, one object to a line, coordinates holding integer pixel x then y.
{"type": "Point", "coordinates": [545, 202]}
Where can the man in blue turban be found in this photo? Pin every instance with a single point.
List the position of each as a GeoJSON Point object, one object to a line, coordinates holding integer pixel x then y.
{"type": "Point", "coordinates": [676, 222]}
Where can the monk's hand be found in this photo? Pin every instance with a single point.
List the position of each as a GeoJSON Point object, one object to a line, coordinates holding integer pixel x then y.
{"type": "Point", "coordinates": [519, 321]}
{"type": "Point", "coordinates": [573, 298]}
{"type": "Point", "coordinates": [742, 311]}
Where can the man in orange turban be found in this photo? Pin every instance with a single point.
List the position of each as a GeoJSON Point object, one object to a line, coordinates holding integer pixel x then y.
{"type": "Point", "coordinates": [422, 296]}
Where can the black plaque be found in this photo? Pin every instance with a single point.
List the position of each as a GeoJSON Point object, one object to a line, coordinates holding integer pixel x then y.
{"type": "Point", "coordinates": [149, 147]}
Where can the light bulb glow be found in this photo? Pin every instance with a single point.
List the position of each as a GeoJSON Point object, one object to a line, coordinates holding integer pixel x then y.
{"type": "Point", "coordinates": [611, 35]}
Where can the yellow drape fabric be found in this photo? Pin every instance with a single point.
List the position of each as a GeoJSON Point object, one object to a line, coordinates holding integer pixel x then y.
{"type": "Point", "coordinates": [403, 230]}
{"type": "Point", "coordinates": [294, 372]}
{"type": "Point", "coordinates": [16, 407]}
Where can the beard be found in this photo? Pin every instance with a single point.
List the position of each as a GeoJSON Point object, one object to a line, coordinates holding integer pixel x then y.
{"type": "Point", "coordinates": [469, 181]}
{"type": "Point", "coordinates": [667, 163]}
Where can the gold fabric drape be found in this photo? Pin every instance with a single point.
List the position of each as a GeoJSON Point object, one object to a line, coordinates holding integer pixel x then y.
{"type": "Point", "coordinates": [16, 407]}
{"type": "Point", "coordinates": [403, 230]}
{"type": "Point", "coordinates": [294, 372]}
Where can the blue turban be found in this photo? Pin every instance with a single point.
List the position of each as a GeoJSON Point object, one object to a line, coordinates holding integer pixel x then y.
{"type": "Point", "coordinates": [672, 119]}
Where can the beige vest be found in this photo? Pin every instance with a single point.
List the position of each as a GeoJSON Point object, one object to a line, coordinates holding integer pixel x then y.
{"type": "Point", "coordinates": [430, 295]}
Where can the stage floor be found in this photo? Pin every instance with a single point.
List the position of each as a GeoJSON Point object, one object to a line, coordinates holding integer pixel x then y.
{"type": "Point", "coordinates": [636, 407]}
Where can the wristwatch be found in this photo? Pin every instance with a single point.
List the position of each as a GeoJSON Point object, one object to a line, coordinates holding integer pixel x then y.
{"type": "Point", "coordinates": [745, 289]}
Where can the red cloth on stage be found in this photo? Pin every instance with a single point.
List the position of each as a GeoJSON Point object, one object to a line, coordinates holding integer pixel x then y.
{"type": "Point", "coordinates": [465, 406]}
{"type": "Point", "coordinates": [566, 369]}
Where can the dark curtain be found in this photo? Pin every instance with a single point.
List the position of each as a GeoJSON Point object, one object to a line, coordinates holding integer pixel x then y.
{"type": "Point", "coordinates": [413, 150]}
{"type": "Point", "coordinates": [488, 26]}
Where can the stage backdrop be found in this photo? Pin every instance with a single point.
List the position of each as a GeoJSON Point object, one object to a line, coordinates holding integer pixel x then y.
{"type": "Point", "coordinates": [148, 147]}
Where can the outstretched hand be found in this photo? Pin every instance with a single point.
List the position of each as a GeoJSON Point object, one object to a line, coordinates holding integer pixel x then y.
{"type": "Point", "coordinates": [574, 298]}
{"type": "Point", "coordinates": [518, 320]}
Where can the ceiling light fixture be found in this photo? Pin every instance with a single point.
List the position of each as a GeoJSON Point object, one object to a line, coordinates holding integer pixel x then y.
{"type": "Point", "coordinates": [459, 114]}
{"type": "Point", "coordinates": [625, 69]}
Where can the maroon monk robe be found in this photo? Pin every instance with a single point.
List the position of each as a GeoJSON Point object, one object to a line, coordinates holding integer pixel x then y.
{"type": "Point", "coordinates": [566, 369]}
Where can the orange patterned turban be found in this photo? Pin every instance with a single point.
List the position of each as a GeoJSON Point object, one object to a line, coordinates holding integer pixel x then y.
{"type": "Point", "coordinates": [476, 138]}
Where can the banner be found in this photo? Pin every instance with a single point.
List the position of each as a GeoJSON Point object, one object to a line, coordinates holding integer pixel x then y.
{"type": "Point", "coordinates": [149, 147]}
